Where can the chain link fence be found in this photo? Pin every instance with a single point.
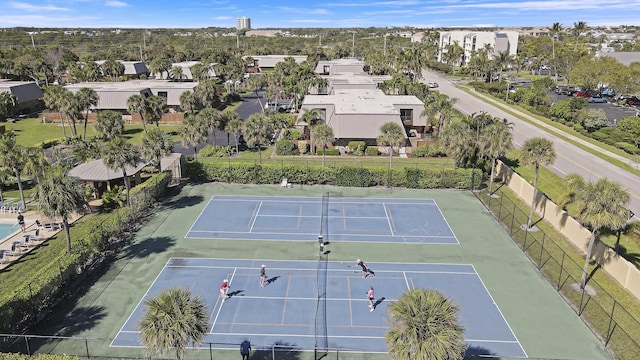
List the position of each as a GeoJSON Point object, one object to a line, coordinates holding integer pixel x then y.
{"type": "Point", "coordinates": [616, 327]}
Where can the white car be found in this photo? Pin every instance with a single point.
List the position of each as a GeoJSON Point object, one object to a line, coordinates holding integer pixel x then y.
{"type": "Point", "coordinates": [432, 84]}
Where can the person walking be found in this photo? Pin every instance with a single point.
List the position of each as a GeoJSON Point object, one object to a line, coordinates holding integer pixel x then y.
{"type": "Point", "coordinates": [263, 275]}
{"type": "Point", "coordinates": [224, 288]}
{"type": "Point", "coordinates": [21, 221]}
{"type": "Point", "coordinates": [371, 296]}
{"type": "Point", "coordinates": [245, 349]}
{"type": "Point", "coordinates": [365, 269]}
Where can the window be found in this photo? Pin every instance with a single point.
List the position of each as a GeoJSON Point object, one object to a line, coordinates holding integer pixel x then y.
{"type": "Point", "coordinates": [406, 115]}
{"type": "Point", "coordinates": [326, 69]}
{"type": "Point", "coordinates": [163, 94]}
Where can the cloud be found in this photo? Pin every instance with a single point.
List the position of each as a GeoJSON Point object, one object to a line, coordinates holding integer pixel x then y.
{"type": "Point", "coordinates": [31, 7]}
{"type": "Point", "coordinates": [223, 18]}
{"type": "Point", "coordinates": [303, 11]}
{"type": "Point", "coordinates": [115, 3]}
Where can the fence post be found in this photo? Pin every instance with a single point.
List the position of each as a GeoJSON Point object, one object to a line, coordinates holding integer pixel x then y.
{"type": "Point", "coordinates": [513, 217]}
{"type": "Point", "coordinates": [581, 299]}
{"type": "Point", "coordinates": [60, 270]}
{"type": "Point", "coordinates": [561, 268]}
{"type": "Point", "coordinates": [86, 345]}
{"type": "Point", "coordinates": [210, 352]}
{"type": "Point", "coordinates": [541, 251]}
{"type": "Point", "coordinates": [26, 342]}
{"type": "Point", "coordinates": [609, 331]}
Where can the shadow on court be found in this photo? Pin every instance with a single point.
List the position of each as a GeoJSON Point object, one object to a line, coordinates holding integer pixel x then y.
{"type": "Point", "coordinates": [184, 202]}
{"type": "Point", "coordinates": [271, 280]}
{"type": "Point", "coordinates": [235, 293]}
{"type": "Point", "coordinates": [149, 246]}
{"type": "Point", "coordinates": [479, 352]}
{"type": "Point", "coordinates": [284, 351]}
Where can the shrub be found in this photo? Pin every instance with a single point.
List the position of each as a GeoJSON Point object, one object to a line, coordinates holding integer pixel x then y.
{"type": "Point", "coordinates": [357, 147]}
{"type": "Point", "coordinates": [328, 152]}
{"type": "Point", "coordinates": [114, 198]}
{"type": "Point", "coordinates": [629, 148]}
{"type": "Point", "coordinates": [420, 151]}
{"type": "Point", "coordinates": [291, 134]}
{"type": "Point", "coordinates": [371, 151]}
{"type": "Point", "coordinates": [599, 135]}
{"type": "Point", "coordinates": [286, 147]}
{"type": "Point", "coordinates": [207, 151]}
{"type": "Point", "coordinates": [214, 151]}
{"type": "Point", "coordinates": [303, 147]}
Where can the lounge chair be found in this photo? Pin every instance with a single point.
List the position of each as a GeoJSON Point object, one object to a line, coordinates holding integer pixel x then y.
{"type": "Point", "coordinates": [13, 252]}
{"type": "Point", "coordinates": [34, 237]}
{"type": "Point", "coordinates": [285, 183]}
{"type": "Point", "coordinates": [3, 259]}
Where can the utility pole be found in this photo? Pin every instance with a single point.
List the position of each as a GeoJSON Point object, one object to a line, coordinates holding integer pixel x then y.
{"type": "Point", "coordinates": [353, 45]}
{"type": "Point", "coordinates": [33, 44]}
{"type": "Point", "coordinates": [385, 45]}
{"type": "Point", "coordinates": [237, 41]}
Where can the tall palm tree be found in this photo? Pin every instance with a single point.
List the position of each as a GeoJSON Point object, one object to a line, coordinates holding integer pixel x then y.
{"type": "Point", "coordinates": [256, 83]}
{"type": "Point", "coordinates": [59, 196]}
{"type": "Point", "coordinates": [391, 135]}
{"type": "Point", "coordinates": [109, 124]}
{"type": "Point", "coordinates": [136, 105]}
{"type": "Point", "coordinates": [602, 204]}
{"type": "Point", "coordinates": [72, 108]}
{"type": "Point", "coordinates": [323, 136]}
{"type": "Point", "coordinates": [177, 74]}
{"type": "Point", "coordinates": [13, 157]}
{"type": "Point", "coordinates": [311, 118]}
{"type": "Point", "coordinates": [578, 28]}
{"type": "Point", "coordinates": [113, 69]}
{"type": "Point", "coordinates": [209, 118]}
{"type": "Point", "coordinates": [458, 140]}
{"type": "Point", "coordinates": [207, 93]}
{"type": "Point", "coordinates": [155, 144]}
{"type": "Point", "coordinates": [257, 131]}
{"type": "Point", "coordinates": [223, 118]}
{"type": "Point", "coordinates": [554, 30]}
{"type": "Point", "coordinates": [5, 175]}
{"type": "Point", "coordinates": [87, 97]}
{"type": "Point", "coordinates": [117, 155]}
{"type": "Point", "coordinates": [52, 100]}
{"type": "Point", "coordinates": [424, 325]}
{"type": "Point", "coordinates": [173, 320]}
{"type": "Point", "coordinates": [234, 126]}
{"type": "Point", "coordinates": [439, 109]}
{"type": "Point", "coordinates": [495, 140]}
{"type": "Point", "coordinates": [189, 101]}
{"type": "Point", "coordinates": [193, 133]}
{"type": "Point", "coordinates": [536, 151]}
{"type": "Point", "coordinates": [154, 108]}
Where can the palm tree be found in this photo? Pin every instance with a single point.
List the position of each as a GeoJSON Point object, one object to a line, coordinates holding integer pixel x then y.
{"type": "Point", "coordinates": [5, 174]}
{"type": "Point", "coordinates": [424, 325]}
{"type": "Point", "coordinates": [554, 30]}
{"type": "Point", "coordinates": [502, 61]}
{"type": "Point", "coordinates": [193, 133]}
{"type": "Point", "coordinates": [209, 118]}
{"type": "Point", "coordinates": [223, 118]}
{"type": "Point", "coordinates": [109, 124]}
{"type": "Point", "coordinates": [117, 155]}
{"type": "Point", "coordinates": [188, 101]}
{"type": "Point", "coordinates": [439, 109]}
{"type": "Point", "coordinates": [13, 157]}
{"type": "Point", "coordinates": [578, 28]}
{"type": "Point", "coordinates": [536, 151]}
{"type": "Point", "coordinates": [72, 108]}
{"type": "Point", "coordinates": [154, 107]}
{"type": "Point", "coordinates": [155, 144]}
{"type": "Point", "coordinates": [207, 93]}
{"type": "Point", "coordinates": [257, 131]}
{"type": "Point", "coordinates": [234, 126]}
{"type": "Point", "coordinates": [323, 136]}
{"type": "Point", "coordinates": [311, 118]}
{"type": "Point", "coordinates": [8, 103]}
{"type": "Point", "coordinates": [177, 74]}
{"type": "Point", "coordinates": [602, 204]}
{"type": "Point", "coordinates": [495, 140]}
{"type": "Point", "coordinates": [458, 139]}
{"type": "Point", "coordinates": [173, 320]}
{"type": "Point", "coordinates": [59, 196]}
{"type": "Point", "coordinates": [113, 68]}
{"type": "Point", "coordinates": [52, 100]}
{"type": "Point", "coordinates": [391, 135]}
{"type": "Point", "coordinates": [36, 162]}
{"type": "Point", "coordinates": [136, 104]}
{"type": "Point", "coordinates": [86, 97]}
{"type": "Point", "coordinates": [257, 83]}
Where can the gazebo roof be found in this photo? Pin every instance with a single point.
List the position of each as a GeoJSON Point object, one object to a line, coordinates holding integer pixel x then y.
{"type": "Point", "coordinates": [96, 171]}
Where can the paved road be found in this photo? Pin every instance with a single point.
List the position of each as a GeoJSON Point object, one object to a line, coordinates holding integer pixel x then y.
{"type": "Point", "coordinates": [570, 159]}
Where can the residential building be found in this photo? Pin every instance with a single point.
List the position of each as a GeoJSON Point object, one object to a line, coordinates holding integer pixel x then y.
{"type": "Point", "coordinates": [132, 69]}
{"type": "Point", "coordinates": [243, 23]}
{"type": "Point", "coordinates": [28, 94]}
{"type": "Point", "coordinates": [262, 62]}
{"type": "Point", "coordinates": [342, 74]}
{"type": "Point", "coordinates": [186, 71]}
{"type": "Point", "coordinates": [472, 41]}
{"type": "Point", "coordinates": [623, 57]}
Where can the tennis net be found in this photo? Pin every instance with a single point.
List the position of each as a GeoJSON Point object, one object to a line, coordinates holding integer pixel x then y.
{"type": "Point", "coordinates": [321, 348]}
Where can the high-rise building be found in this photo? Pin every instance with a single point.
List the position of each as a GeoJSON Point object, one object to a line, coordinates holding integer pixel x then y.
{"type": "Point", "coordinates": [243, 23]}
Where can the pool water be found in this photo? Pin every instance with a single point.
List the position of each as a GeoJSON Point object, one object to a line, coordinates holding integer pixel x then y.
{"type": "Point", "coordinates": [7, 229]}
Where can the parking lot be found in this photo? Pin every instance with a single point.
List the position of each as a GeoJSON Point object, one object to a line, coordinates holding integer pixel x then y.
{"type": "Point", "coordinates": [613, 111]}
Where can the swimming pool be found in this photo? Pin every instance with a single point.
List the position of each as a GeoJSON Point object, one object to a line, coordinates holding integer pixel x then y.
{"type": "Point", "coordinates": [7, 229]}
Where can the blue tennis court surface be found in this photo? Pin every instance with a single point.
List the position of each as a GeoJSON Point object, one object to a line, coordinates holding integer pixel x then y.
{"type": "Point", "coordinates": [284, 311]}
{"type": "Point", "coordinates": [337, 219]}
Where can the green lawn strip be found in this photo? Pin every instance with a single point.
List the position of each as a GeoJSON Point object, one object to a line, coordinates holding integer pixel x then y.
{"type": "Point", "coordinates": [597, 310]}
{"type": "Point", "coordinates": [564, 129]}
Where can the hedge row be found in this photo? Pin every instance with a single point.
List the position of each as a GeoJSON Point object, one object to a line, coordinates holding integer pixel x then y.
{"type": "Point", "coordinates": [408, 177]}
{"type": "Point", "coordinates": [94, 238]}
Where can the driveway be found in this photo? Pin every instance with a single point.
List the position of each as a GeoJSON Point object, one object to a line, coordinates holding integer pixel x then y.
{"type": "Point", "coordinates": [570, 158]}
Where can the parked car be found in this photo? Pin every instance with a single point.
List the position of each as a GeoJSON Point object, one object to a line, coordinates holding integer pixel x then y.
{"type": "Point", "coordinates": [595, 99]}
{"type": "Point", "coordinates": [608, 92]}
{"type": "Point", "coordinates": [581, 94]}
{"type": "Point", "coordinates": [432, 84]}
{"type": "Point", "coordinates": [562, 90]}
{"type": "Point", "coordinates": [632, 100]}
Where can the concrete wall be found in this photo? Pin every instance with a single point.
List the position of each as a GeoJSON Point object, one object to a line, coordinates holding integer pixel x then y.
{"type": "Point", "coordinates": [618, 267]}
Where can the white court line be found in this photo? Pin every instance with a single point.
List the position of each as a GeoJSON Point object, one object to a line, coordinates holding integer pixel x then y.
{"type": "Point", "coordinates": [406, 281]}
{"type": "Point", "coordinates": [255, 217]}
{"type": "Point", "coordinates": [315, 270]}
{"type": "Point", "coordinates": [306, 298]}
{"type": "Point", "coordinates": [388, 218]}
{"type": "Point", "coordinates": [199, 215]}
{"type": "Point", "coordinates": [222, 304]}
{"type": "Point", "coordinates": [315, 261]}
{"type": "Point", "coordinates": [446, 222]}
{"type": "Point", "coordinates": [140, 302]}
{"type": "Point", "coordinates": [327, 216]}
{"type": "Point", "coordinates": [304, 233]}
{"type": "Point", "coordinates": [499, 311]}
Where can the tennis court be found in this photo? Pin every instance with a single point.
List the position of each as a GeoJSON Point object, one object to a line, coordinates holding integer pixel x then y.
{"type": "Point", "coordinates": [336, 219]}
{"type": "Point", "coordinates": [285, 310]}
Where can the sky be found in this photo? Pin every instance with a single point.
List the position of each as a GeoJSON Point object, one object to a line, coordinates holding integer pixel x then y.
{"type": "Point", "coordinates": [310, 13]}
